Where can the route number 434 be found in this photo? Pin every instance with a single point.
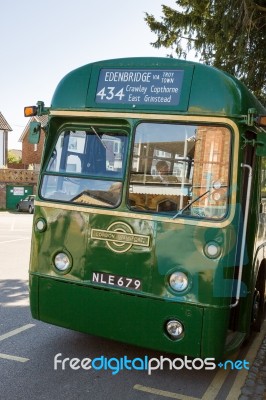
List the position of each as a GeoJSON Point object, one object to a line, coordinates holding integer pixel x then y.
{"type": "Point", "coordinates": [109, 93]}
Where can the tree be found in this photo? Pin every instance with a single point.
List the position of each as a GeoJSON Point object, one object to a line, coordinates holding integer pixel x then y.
{"type": "Point", "coordinates": [228, 34]}
{"type": "Point", "coordinates": [13, 158]}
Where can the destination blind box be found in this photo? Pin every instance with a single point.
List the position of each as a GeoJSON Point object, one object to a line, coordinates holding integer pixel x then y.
{"type": "Point", "coordinates": [139, 87]}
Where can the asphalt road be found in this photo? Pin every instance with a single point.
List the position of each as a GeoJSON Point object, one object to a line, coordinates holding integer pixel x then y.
{"type": "Point", "coordinates": [29, 348]}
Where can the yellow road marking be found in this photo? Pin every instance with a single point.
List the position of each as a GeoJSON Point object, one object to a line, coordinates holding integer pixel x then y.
{"type": "Point", "coordinates": [250, 357]}
{"type": "Point", "coordinates": [16, 331]}
{"type": "Point", "coordinates": [218, 380]}
{"type": "Point", "coordinates": [14, 358]}
{"type": "Point", "coordinates": [210, 394]}
{"type": "Point", "coordinates": [216, 384]}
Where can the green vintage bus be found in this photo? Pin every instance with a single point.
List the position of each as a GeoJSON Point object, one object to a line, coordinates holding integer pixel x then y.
{"type": "Point", "coordinates": [148, 223]}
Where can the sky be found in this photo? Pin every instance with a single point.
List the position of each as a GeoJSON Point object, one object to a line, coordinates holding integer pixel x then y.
{"type": "Point", "coordinates": [44, 40]}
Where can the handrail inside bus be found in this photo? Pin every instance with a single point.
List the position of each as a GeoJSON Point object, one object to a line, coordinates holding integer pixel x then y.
{"type": "Point", "coordinates": [244, 234]}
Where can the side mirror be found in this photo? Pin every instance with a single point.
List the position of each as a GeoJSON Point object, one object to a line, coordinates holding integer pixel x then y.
{"type": "Point", "coordinates": [261, 144]}
{"type": "Point", "coordinates": [35, 132]}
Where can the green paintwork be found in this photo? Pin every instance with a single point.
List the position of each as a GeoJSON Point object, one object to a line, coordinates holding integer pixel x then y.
{"type": "Point", "coordinates": [118, 316]}
{"type": "Point", "coordinates": [12, 198]}
{"type": "Point", "coordinates": [206, 90]}
{"type": "Point", "coordinates": [151, 264]}
{"type": "Point", "coordinates": [73, 301]}
{"type": "Point", "coordinates": [35, 132]}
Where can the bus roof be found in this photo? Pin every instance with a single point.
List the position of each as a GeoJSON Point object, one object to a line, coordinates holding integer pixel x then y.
{"type": "Point", "coordinates": [164, 85]}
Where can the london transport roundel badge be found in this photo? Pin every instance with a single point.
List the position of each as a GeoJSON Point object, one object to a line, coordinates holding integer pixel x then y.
{"type": "Point", "coordinates": [120, 237]}
{"type": "Point", "coordinates": [123, 235]}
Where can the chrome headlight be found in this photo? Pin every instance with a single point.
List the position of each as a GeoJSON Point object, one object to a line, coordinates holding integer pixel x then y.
{"type": "Point", "coordinates": [62, 261]}
{"type": "Point", "coordinates": [178, 281]}
{"type": "Point", "coordinates": [41, 225]}
{"type": "Point", "coordinates": [174, 329]}
{"type": "Point", "coordinates": [212, 250]}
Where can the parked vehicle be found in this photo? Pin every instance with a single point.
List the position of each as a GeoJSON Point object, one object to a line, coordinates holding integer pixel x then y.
{"type": "Point", "coordinates": [26, 204]}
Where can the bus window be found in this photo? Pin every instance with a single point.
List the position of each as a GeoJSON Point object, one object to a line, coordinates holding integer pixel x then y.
{"type": "Point", "coordinates": [195, 177]}
{"type": "Point", "coordinates": [86, 167]}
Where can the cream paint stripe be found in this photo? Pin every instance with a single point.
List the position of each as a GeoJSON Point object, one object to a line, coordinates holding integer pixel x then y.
{"type": "Point", "coordinates": [16, 331]}
{"type": "Point", "coordinates": [250, 357]}
{"type": "Point", "coordinates": [13, 358]}
{"type": "Point", "coordinates": [150, 116]}
{"type": "Point", "coordinates": [164, 393]}
{"type": "Point", "coordinates": [123, 214]}
{"type": "Point", "coordinates": [161, 117]}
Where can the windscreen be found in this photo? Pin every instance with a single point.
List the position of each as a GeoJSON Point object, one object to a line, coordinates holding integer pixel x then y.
{"type": "Point", "coordinates": [86, 167]}
{"type": "Point", "coordinates": [180, 170]}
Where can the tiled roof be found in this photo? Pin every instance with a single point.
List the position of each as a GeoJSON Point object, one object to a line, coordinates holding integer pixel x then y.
{"type": "Point", "coordinates": [3, 124]}
{"type": "Point", "coordinates": [43, 119]}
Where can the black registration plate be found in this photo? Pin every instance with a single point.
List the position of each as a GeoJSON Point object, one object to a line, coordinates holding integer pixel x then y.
{"type": "Point", "coordinates": [116, 280]}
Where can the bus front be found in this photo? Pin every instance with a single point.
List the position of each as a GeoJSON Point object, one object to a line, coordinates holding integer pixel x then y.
{"type": "Point", "coordinates": [136, 224]}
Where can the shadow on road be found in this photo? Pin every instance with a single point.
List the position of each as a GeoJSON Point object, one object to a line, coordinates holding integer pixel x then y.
{"type": "Point", "coordinates": [14, 292]}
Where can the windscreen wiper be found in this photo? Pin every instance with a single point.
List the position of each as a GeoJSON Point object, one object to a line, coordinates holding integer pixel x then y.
{"type": "Point", "coordinates": [97, 134]}
{"type": "Point", "coordinates": [180, 212]}
{"type": "Point", "coordinates": [100, 139]}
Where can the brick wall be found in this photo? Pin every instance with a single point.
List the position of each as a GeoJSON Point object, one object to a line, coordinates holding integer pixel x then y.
{"type": "Point", "coordinates": [212, 152]}
{"type": "Point", "coordinates": [211, 155]}
{"type": "Point", "coordinates": [2, 196]}
{"type": "Point", "coordinates": [16, 166]}
{"type": "Point", "coordinates": [32, 154]}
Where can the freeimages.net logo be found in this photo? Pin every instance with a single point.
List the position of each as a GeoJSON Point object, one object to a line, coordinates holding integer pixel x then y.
{"type": "Point", "coordinates": [116, 365]}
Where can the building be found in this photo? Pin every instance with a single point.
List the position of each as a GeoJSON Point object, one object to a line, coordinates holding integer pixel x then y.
{"type": "Point", "coordinates": [32, 153]}
{"type": "Point", "coordinates": [4, 129]}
